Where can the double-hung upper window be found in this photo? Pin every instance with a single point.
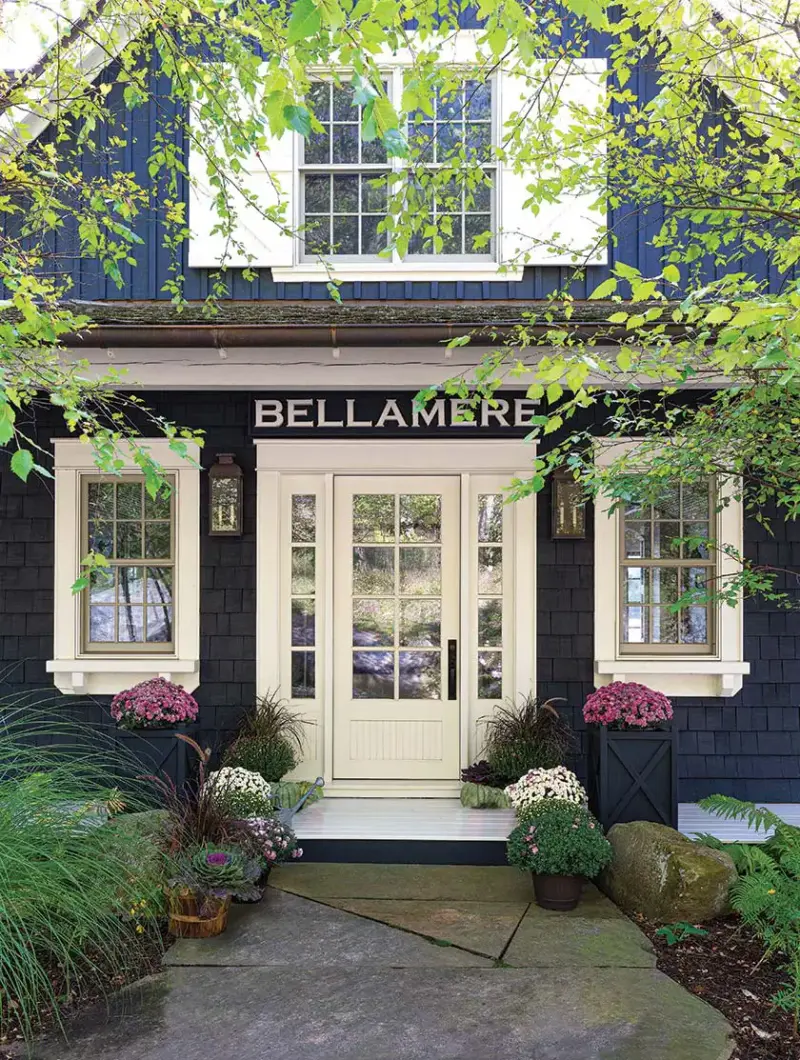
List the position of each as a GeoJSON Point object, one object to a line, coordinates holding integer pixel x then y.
{"type": "Point", "coordinates": [129, 602]}
{"type": "Point", "coordinates": [346, 181]}
{"type": "Point", "coordinates": [665, 557]}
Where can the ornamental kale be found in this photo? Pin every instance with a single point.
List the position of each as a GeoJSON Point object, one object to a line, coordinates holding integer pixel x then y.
{"type": "Point", "coordinates": [559, 838]}
{"type": "Point", "coordinates": [626, 704]}
{"type": "Point", "coordinates": [219, 872]}
{"type": "Point", "coordinates": [153, 704]}
{"type": "Point", "coordinates": [482, 773]}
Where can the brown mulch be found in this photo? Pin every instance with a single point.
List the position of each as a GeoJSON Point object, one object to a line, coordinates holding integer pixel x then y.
{"type": "Point", "coordinates": [148, 956]}
{"type": "Point", "coordinates": [725, 968]}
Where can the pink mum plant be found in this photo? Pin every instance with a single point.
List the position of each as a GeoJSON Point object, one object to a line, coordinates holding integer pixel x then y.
{"type": "Point", "coordinates": [627, 705]}
{"type": "Point", "coordinates": [154, 704]}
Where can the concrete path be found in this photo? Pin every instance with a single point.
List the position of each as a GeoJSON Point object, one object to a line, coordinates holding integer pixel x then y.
{"type": "Point", "coordinates": [357, 962]}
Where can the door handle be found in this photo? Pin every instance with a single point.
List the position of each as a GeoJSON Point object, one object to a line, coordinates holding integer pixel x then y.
{"type": "Point", "coordinates": [452, 669]}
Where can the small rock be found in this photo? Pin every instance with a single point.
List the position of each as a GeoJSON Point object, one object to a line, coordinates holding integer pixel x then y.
{"type": "Point", "coordinates": [660, 873]}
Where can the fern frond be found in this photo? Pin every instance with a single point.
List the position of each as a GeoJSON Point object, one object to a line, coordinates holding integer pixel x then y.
{"type": "Point", "coordinates": [706, 839]}
{"type": "Point", "coordinates": [757, 817]}
{"type": "Point", "coordinates": [750, 857]}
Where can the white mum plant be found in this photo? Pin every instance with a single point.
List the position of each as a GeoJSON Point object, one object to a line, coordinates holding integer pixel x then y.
{"type": "Point", "coordinates": [243, 792]}
{"type": "Point", "coordinates": [538, 784]}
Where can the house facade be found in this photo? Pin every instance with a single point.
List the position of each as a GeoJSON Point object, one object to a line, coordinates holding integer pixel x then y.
{"type": "Point", "coordinates": [378, 580]}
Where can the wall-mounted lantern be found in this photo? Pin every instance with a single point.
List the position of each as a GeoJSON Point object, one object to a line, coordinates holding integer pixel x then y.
{"type": "Point", "coordinates": [225, 492]}
{"type": "Point", "coordinates": [569, 508]}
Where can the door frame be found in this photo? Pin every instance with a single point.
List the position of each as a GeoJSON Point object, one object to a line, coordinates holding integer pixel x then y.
{"type": "Point", "coordinates": [277, 460]}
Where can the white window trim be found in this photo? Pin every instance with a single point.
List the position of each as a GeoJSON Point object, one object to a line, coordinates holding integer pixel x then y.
{"type": "Point", "coordinates": [717, 674]}
{"type": "Point", "coordinates": [79, 673]}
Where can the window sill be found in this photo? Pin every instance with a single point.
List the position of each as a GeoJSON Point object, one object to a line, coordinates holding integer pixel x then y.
{"type": "Point", "coordinates": [106, 675]}
{"type": "Point", "coordinates": [385, 271]}
{"type": "Point", "coordinates": [675, 677]}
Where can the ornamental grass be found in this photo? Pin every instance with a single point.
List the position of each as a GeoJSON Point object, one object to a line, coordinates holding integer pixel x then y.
{"type": "Point", "coordinates": [79, 900]}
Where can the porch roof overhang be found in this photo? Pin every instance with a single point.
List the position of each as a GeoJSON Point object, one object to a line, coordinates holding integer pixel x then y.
{"type": "Point", "coordinates": [328, 324]}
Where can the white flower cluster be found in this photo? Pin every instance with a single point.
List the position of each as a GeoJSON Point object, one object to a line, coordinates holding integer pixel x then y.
{"type": "Point", "coordinates": [538, 784]}
{"type": "Point", "coordinates": [234, 781]}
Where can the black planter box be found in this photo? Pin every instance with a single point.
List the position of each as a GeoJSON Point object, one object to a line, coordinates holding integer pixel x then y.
{"type": "Point", "coordinates": [633, 775]}
{"type": "Point", "coordinates": [159, 752]}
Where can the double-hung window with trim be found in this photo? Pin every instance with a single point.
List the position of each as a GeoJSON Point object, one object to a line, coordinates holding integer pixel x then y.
{"type": "Point", "coordinates": [129, 603]}
{"type": "Point", "coordinates": [664, 557]}
{"type": "Point", "coordinates": [345, 181]}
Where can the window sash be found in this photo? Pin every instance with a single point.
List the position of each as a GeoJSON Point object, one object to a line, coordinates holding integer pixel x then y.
{"type": "Point", "coordinates": [677, 563]}
{"type": "Point", "coordinates": [394, 168]}
{"type": "Point", "coordinates": [115, 647]}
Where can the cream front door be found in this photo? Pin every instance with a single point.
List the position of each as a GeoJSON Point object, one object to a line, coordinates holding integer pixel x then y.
{"type": "Point", "coordinates": [396, 578]}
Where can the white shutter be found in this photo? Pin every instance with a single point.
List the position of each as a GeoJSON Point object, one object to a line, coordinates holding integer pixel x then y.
{"type": "Point", "coordinates": [270, 177]}
{"type": "Point", "coordinates": [571, 222]}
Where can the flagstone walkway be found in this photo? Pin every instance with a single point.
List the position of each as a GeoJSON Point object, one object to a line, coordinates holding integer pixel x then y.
{"type": "Point", "coordinates": [402, 962]}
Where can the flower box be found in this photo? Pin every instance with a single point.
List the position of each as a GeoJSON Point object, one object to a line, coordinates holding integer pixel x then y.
{"type": "Point", "coordinates": [633, 775]}
{"type": "Point", "coordinates": [158, 751]}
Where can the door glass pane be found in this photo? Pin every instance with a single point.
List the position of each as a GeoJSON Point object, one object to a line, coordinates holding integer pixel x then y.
{"type": "Point", "coordinates": [490, 675]}
{"type": "Point", "coordinates": [420, 675]}
{"type": "Point", "coordinates": [420, 517]}
{"type": "Point", "coordinates": [303, 631]}
{"type": "Point", "coordinates": [304, 517]}
{"type": "Point", "coordinates": [373, 623]}
{"type": "Point", "coordinates": [373, 517]}
{"type": "Point", "coordinates": [490, 517]}
{"type": "Point", "coordinates": [490, 570]}
{"type": "Point", "coordinates": [420, 571]}
{"type": "Point", "coordinates": [303, 676]}
{"type": "Point", "coordinates": [303, 570]}
{"type": "Point", "coordinates": [490, 623]}
{"type": "Point", "coordinates": [420, 623]}
{"type": "Point", "coordinates": [373, 675]}
{"type": "Point", "coordinates": [373, 571]}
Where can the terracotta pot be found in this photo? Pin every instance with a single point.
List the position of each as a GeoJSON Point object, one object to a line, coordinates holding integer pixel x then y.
{"type": "Point", "coordinates": [557, 892]}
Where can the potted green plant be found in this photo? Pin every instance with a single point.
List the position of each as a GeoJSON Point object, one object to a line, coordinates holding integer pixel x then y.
{"type": "Point", "coordinates": [561, 844]}
{"type": "Point", "coordinates": [269, 741]}
{"type": "Point", "coordinates": [527, 735]}
{"type": "Point", "coordinates": [202, 885]}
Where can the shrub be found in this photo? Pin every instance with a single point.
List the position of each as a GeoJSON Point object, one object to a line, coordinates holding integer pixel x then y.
{"type": "Point", "coordinates": [79, 899]}
{"type": "Point", "coordinates": [269, 740]}
{"type": "Point", "coordinates": [153, 704]}
{"type": "Point", "coordinates": [767, 893]}
{"type": "Point", "coordinates": [541, 784]}
{"type": "Point", "coordinates": [559, 838]}
{"type": "Point", "coordinates": [242, 792]}
{"type": "Point", "coordinates": [528, 735]}
{"type": "Point", "coordinates": [627, 705]}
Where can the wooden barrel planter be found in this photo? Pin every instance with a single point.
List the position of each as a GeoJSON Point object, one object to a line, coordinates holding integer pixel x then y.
{"type": "Point", "coordinates": [633, 775]}
{"type": "Point", "coordinates": [186, 922]}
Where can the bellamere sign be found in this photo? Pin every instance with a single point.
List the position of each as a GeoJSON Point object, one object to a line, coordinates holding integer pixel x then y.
{"type": "Point", "coordinates": [345, 414]}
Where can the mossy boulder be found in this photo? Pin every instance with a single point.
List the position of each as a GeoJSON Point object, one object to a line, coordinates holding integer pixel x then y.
{"type": "Point", "coordinates": [288, 792]}
{"type": "Point", "coordinates": [666, 877]}
{"type": "Point", "coordinates": [483, 797]}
